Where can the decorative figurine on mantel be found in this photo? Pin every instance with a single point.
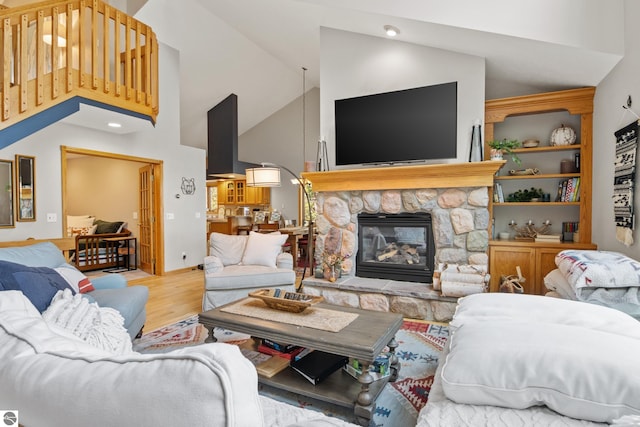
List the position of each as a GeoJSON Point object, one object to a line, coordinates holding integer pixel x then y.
{"type": "Point", "coordinates": [529, 231]}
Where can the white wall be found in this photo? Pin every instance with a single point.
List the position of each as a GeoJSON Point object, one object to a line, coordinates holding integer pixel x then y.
{"type": "Point", "coordinates": [184, 233]}
{"type": "Point", "coordinates": [354, 65]}
{"type": "Point", "coordinates": [609, 116]}
{"type": "Point", "coordinates": [591, 24]}
{"type": "Point", "coordinates": [278, 139]}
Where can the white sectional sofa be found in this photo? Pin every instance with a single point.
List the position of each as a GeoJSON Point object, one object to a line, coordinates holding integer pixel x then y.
{"type": "Point", "coordinates": [52, 378]}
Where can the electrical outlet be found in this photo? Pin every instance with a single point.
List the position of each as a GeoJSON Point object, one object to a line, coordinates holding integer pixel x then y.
{"type": "Point", "coordinates": [184, 255]}
{"type": "Point", "coordinates": [52, 217]}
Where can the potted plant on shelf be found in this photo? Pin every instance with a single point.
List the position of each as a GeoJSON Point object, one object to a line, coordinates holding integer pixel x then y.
{"type": "Point", "coordinates": [499, 147]}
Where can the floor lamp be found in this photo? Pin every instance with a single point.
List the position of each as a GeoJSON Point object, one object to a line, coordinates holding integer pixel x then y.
{"type": "Point", "coordinates": [269, 176]}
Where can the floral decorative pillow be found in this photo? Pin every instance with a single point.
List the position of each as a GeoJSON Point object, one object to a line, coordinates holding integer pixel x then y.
{"type": "Point", "coordinates": [83, 231]}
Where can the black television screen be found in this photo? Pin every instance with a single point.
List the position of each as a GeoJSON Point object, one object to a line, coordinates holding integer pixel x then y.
{"type": "Point", "coordinates": [401, 126]}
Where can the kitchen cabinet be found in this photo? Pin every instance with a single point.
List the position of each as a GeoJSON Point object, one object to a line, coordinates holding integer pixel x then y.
{"type": "Point", "coordinates": [236, 192]}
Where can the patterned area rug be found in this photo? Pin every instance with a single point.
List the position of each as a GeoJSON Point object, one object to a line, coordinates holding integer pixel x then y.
{"type": "Point", "coordinates": [419, 346]}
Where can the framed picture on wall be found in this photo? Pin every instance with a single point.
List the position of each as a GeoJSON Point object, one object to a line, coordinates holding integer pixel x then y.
{"type": "Point", "coordinates": [6, 194]}
{"type": "Point", "coordinates": [25, 188]}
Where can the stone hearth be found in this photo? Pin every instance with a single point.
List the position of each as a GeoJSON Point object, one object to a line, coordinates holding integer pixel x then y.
{"type": "Point", "coordinates": [457, 197]}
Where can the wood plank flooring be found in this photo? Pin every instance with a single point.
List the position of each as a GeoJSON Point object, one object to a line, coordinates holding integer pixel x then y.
{"type": "Point", "coordinates": [172, 297]}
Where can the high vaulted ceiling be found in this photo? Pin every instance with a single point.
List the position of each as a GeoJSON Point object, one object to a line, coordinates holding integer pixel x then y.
{"type": "Point", "coordinates": [257, 48]}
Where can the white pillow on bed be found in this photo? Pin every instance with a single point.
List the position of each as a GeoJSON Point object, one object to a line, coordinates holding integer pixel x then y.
{"type": "Point", "coordinates": [535, 308]}
{"type": "Point", "coordinates": [576, 371]}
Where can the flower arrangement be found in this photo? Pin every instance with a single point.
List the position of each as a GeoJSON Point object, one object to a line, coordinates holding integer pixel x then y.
{"type": "Point", "coordinates": [332, 265]}
{"type": "Point", "coordinates": [333, 260]}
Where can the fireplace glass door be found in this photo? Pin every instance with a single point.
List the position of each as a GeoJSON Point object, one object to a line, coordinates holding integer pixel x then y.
{"type": "Point", "coordinates": [396, 247]}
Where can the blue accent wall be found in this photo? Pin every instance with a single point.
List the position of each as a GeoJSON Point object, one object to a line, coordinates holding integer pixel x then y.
{"type": "Point", "coordinates": [58, 112]}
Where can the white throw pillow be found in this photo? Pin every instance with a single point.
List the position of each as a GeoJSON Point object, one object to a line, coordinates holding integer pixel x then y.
{"type": "Point", "coordinates": [577, 372]}
{"type": "Point", "coordinates": [227, 247]}
{"type": "Point", "coordinates": [263, 249]}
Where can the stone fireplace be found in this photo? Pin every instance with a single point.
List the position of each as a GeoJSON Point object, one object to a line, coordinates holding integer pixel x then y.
{"type": "Point", "coordinates": [395, 246]}
{"type": "Point", "coordinates": [456, 196]}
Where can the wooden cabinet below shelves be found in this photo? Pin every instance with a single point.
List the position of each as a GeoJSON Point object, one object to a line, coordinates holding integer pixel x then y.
{"type": "Point", "coordinates": [536, 260]}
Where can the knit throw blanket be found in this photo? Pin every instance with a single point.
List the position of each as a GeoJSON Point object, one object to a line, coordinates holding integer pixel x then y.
{"type": "Point", "coordinates": [623, 182]}
{"type": "Point", "coordinates": [101, 327]}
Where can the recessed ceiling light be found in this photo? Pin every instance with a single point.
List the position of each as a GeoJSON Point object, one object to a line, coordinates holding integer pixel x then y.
{"type": "Point", "coordinates": [114, 125]}
{"type": "Point", "coordinates": [391, 30]}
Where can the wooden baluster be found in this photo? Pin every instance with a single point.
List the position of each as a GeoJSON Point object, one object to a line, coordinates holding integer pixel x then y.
{"type": "Point", "coordinates": [40, 58]}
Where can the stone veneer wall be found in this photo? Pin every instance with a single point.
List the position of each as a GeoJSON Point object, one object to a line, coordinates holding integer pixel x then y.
{"type": "Point", "coordinates": [460, 219]}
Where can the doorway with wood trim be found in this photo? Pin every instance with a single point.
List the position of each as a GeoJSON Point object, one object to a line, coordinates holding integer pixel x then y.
{"type": "Point", "coordinates": [139, 192]}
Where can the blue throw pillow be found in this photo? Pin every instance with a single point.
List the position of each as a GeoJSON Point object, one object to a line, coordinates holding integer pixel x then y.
{"type": "Point", "coordinates": [39, 284]}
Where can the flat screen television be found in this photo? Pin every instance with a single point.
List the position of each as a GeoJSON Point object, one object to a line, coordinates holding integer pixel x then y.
{"type": "Point", "coordinates": [395, 127]}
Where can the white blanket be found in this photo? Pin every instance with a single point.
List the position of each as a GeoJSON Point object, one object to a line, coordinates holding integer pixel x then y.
{"type": "Point", "coordinates": [102, 327]}
{"type": "Point", "coordinates": [601, 277]}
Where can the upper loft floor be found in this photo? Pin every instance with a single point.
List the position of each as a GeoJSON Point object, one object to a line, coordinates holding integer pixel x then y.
{"type": "Point", "coordinates": [56, 54]}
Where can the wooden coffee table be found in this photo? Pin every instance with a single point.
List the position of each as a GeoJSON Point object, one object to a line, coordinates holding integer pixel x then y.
{"type": "Point", "coordinates": [363, 339]}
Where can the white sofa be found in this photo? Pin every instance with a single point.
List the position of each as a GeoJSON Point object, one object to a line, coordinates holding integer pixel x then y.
{"type": "Point", "coordinates": [53, 378]}
{"type": "Point", "coordinates": [237, 265]}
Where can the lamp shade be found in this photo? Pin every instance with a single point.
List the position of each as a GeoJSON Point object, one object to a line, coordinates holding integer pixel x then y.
{"type": "Point", "coordinates": [263, 177]}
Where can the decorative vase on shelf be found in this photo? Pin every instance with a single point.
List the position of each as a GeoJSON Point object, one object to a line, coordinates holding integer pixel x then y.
{"type": "Point", "coordinates": [496, 154]}
{"type": "Point", "coordinates": [475, 155]}
{"type": "Point", "coordinates": [332, 273]}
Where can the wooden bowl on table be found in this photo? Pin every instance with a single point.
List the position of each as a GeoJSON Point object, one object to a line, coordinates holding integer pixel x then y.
{"type": "Point", "coordinates": [288, 301]}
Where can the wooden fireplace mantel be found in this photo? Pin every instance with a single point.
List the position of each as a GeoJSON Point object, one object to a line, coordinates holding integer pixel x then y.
{"type": "Point", "coordinates": [450, 175]}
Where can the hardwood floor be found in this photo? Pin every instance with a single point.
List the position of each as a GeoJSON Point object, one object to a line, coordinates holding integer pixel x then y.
{"type": "Point", "coordinates": [172, 297]}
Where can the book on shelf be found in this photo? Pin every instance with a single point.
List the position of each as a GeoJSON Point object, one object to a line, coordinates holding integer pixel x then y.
{"type": "Point", "coordinates": [379, 369]}
{"type": "Point", "coordinates": [282, 347]}
{"type": "Point", "coordinates": [272, 366]}
{"type": "Point", "coordinates": [254, 357]}
{"type": "Point", "coordinates": [318, 365]}
{"type": "Point", "coordinates": [569, 190]}
{"type": "Point", "coordinates": [290, 355]}
{"type": "Point", "coordinates": [266, 365]}
{"type": "Point", "coordinates": [498, 194]}
{"type": "Point", "coordinates": [548, 238]}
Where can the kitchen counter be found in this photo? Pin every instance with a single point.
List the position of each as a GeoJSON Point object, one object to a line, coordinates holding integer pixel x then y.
{"type": "Point", "coordinates": [228, 225]}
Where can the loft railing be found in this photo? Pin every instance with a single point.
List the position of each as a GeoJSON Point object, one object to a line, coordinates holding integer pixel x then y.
{"type": "Point", "coordinates": [53, 51]}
